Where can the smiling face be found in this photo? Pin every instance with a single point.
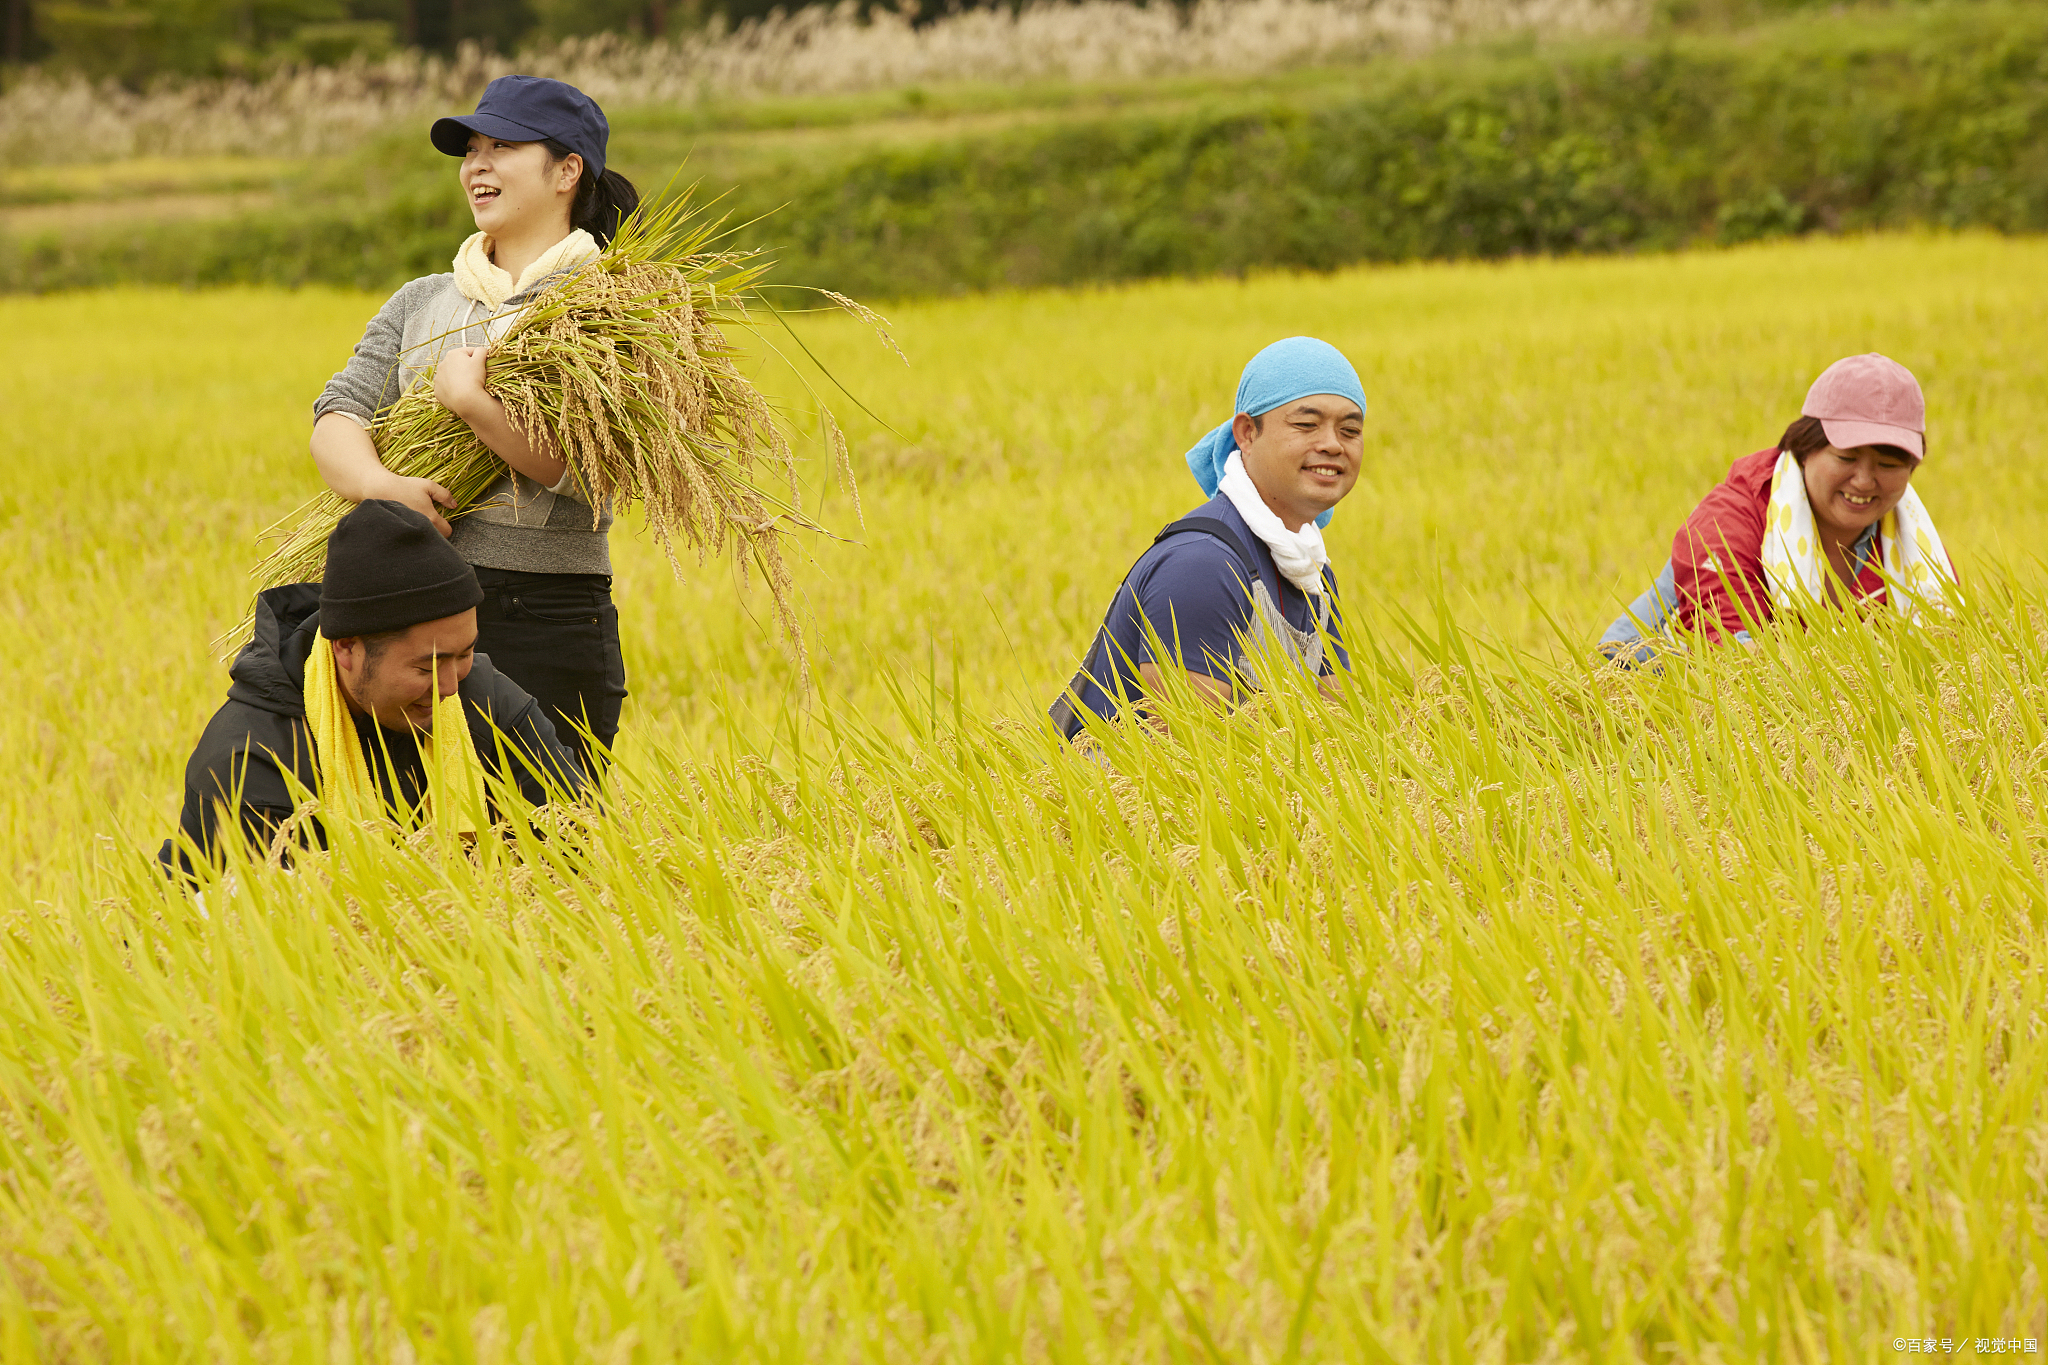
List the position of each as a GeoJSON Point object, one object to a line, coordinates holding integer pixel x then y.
{"type": "Point", "coordinates": [1304, 455]}
{"type": "Point", "coordinates": [398, 681]}
{"type": "Point", "coordinates": [1851, 489]}
{"type": "Point", "coordinates": [514, 189]}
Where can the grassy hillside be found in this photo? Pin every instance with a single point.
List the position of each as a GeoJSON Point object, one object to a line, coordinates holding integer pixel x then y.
{"type": "Point", "coordinates": [1933, 115]}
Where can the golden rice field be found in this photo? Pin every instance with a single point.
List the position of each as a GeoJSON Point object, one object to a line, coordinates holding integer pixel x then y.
{"type": "Point", "coordinates": [1510, 1010]}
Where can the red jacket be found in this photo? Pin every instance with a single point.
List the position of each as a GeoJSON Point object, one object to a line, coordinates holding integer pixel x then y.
{"type": "Point", "coordinates": [1717, 556]}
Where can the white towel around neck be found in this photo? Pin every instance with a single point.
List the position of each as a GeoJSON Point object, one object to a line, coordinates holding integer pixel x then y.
{"type": "Point", "coordinates": [1299, 554]}
{"type": "Point", "coordinates": [481, 279]}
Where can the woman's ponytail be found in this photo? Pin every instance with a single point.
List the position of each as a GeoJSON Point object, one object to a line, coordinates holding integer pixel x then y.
{"type": "Point", "coordinates": [603, 202]}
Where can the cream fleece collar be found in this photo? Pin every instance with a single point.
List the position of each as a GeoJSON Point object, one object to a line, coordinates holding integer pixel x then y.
{"type": "Point", "coordinates": [480, 279]}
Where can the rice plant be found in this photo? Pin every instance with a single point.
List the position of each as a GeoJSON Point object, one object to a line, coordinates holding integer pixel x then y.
{"type": "Point", "coordinates": [1513, 1008]}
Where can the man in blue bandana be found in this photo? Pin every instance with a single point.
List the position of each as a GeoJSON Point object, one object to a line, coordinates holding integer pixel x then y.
{"type": "Point", "coordinates": [1246, 570]}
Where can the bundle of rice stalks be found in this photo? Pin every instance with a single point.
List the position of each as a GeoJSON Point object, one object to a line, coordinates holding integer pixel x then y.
{"type": "Point", "coordinates": [626, 366]}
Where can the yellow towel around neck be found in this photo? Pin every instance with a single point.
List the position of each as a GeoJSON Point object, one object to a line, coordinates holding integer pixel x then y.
{"type": "Point", "coordinates": [455, 777]}
{"type": "Point", "coordinates": [1917, 570]}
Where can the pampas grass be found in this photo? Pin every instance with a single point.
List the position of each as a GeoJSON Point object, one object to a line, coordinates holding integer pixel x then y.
{"type": "Point", "coordinates": [819, 49]}
{"type": "Point", "coordinates": [626, 367]}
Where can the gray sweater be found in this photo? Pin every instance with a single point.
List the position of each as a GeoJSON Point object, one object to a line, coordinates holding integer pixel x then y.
{"type": "Point", "coordinates": [518, 524]}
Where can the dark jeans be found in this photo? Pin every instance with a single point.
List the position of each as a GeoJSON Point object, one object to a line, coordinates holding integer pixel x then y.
{"type": "Point", "coordinates": [557, 636]}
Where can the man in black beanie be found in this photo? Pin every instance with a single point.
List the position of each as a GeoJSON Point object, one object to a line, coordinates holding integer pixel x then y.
{"type": "Point", "coordinates": [398, 611]}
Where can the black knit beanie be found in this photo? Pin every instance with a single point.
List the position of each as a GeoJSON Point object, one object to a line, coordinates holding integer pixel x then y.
{"type": "Point", "coordinates": [387, 569]}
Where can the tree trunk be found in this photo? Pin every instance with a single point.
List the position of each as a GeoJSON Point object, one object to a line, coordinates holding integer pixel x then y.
{"type": "Point", "coordinates": [16, 37]}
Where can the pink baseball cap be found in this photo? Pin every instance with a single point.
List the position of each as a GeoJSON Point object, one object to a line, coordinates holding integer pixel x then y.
{"type": "Point", "coordinates": [1869, 400]}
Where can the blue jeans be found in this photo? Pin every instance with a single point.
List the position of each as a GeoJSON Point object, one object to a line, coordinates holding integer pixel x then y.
{"type": "Point", "coordinates": [1645, 617]}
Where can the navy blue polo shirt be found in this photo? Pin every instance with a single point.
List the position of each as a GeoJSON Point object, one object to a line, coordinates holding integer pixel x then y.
{"type": "Point", "coordinates": [1196, 592]}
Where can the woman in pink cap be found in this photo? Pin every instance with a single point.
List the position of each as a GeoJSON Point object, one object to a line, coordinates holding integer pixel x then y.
{"type": "Point", "coordinates": [1825, 516]}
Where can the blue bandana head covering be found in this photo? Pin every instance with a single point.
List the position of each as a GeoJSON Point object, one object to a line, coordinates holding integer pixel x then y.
{"type": "Point", "coordinates": [1283, 372]}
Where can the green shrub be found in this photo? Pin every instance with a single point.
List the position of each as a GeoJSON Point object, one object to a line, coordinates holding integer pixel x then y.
{"type": "Point", "coordinates": [1935, 116]}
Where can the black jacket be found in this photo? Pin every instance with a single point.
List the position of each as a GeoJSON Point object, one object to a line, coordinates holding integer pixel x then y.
{"type": "Point", "coordinates": [261, 733]}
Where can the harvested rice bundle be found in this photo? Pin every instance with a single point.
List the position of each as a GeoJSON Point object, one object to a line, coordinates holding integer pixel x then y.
{"type": "Point", "coordinates": [626, 366]}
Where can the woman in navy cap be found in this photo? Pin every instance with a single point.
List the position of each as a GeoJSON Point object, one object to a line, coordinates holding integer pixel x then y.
{"type": "Point", "coordinates": [534, 176]}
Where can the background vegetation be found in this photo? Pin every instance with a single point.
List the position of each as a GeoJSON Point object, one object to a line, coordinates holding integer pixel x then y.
{"type": "Point", "coordinates": [136, 41]}
{"type": "Point", "coordinates": [1509, 1011]}
{"type": "Point", "coordinates": [1934, 116]}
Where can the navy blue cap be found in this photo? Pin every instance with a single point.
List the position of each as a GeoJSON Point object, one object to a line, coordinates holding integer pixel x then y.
{"type": "Point", "coordinates": [531, 109]}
